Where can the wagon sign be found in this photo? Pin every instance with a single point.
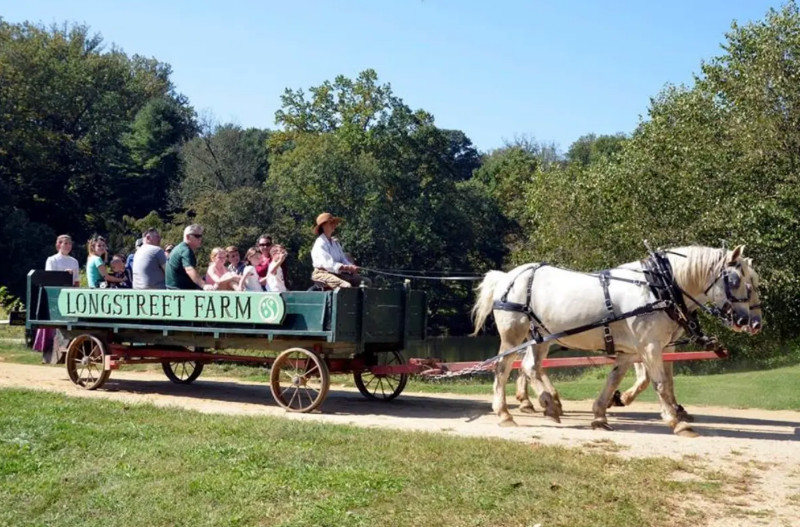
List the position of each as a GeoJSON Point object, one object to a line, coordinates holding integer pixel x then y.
{"type": "Point", "coordinates": [196, 306]}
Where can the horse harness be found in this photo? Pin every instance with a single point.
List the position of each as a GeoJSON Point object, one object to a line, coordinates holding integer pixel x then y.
{"type": "Point", "coordinates": [659, 278]}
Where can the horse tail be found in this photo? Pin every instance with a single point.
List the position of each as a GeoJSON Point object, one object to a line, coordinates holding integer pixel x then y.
{"type": "Point", "coordinates": [483, 306]}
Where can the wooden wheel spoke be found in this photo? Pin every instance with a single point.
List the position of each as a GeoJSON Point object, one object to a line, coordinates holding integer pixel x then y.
{"type": "Point", "coordinates": [296, 391]}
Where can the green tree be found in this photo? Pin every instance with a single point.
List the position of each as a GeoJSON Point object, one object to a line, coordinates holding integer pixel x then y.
{"type": "Point", "coordinates": [66, 107]}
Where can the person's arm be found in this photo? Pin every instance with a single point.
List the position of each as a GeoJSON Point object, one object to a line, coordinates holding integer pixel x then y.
{"type": "Point", "coordinates": [198, 280]}
{"type": "Point", "coordinates": [277, 263]}
{"type": "Point", "coordinates": [247, 272]}
{"type": "Point", "coordinates": [49, 265]}
{"type": "Point", "coordinates": [108, 277]}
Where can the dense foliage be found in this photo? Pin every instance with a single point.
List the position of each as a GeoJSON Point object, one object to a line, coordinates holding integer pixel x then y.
{"type": "Point", "coordinates": [94, 140]}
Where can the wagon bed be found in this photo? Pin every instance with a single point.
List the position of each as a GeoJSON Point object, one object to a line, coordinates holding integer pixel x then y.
{"type": "Point", "coordinates": [305, 335]}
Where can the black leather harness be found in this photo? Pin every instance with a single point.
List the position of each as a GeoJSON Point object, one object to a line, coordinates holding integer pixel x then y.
{"type": "Point", "coordinates": [660, 279]}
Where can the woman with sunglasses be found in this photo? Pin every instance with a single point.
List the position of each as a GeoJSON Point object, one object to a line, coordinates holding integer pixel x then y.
{"type": "Point", "coordinates": [264, 245]}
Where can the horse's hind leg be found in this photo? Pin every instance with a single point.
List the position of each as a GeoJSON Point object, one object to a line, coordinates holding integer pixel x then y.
{"type": "Point", "coordinates": [499, 405]}
{"type": "Point", "coordinates": [621, 367]}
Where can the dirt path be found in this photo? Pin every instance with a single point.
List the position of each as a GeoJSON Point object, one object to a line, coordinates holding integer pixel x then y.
{"type": "Point", "coordinates": [762, 448]}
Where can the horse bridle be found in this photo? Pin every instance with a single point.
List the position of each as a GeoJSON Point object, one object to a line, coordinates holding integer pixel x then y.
{"type": "Point", "coordinates": [731, 281]}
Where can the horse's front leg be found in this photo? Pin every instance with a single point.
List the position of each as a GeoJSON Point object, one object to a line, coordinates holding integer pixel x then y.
{"type": "Point", "coordinates": [615, 376]}
{"type": "Point", "coordinates": [548, 396]}
{"type": "Point", "coordinates": [641, 383]}
{"type": "Point", "coordinates": [499, 405]}
{"type": "Point", "coordinates": [525, 403]}
{"type": "Point", "coordinates": [665, 388]}
{"type": "Point", "coordinates": [627, 397]}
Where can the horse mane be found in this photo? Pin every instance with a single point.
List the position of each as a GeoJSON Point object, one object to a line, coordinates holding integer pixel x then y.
{"type": "Point", "coordinates": [698, 264]}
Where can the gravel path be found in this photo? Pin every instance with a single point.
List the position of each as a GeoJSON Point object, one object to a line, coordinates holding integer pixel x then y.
{"type": "Point", "coordinates": [762, 448]}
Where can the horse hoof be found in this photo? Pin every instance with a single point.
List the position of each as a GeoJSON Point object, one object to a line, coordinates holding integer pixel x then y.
{"type": "Point", "coordinates": [683, 415]}
{"type": "Point", "coordinates": [599, 424]}
{"type": "Point", "coordinates": [528, 409]}
{"type": "Point", "coordinates": [553, 418]}
{"type": "Point", "coordinates": [684, 430]}
{"type": "Point", "coordinates": [507, 423]}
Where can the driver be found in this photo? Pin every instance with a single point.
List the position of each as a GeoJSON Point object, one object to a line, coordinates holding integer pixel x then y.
{"type": "Point", "coordinates": [332, 267]}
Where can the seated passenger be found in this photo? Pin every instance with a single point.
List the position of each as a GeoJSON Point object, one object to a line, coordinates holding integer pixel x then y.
{"type": "Point", "coordinates": [331, 266]}
{"type": "Point", "coordinates": [181, 272]}
{"type": "Point", "coordinates": [264, 244]}
{"type": "Point", "coordinates": [150, 262]}
{"type": "Point", "coordinates": [117, 271]}
{"type": "Point", "coordinates": [235, 263]}
{"type": "Point", "coordinates": [96, 273]}
{"type": "Point", "coordinates": [249, 278]}
{"type": "Point", "coordinates": [217, 275]}
{"type": "Point", "coordinates": [275, 281]}
{"type": "Point", "coordinates": [62, 261]}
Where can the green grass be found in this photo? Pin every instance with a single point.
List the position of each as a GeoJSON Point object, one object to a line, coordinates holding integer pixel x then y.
{"type": "Point", "coordinates": [84, 462]}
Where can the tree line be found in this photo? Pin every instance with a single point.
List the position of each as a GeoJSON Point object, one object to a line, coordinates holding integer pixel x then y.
{"type": "Point", "coordinates": [95, 140]}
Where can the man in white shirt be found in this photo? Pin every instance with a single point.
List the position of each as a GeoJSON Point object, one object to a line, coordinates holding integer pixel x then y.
{"type": "Point", "coordinates": [62, 261]}
{"type": "Point", "coordinates": [331, 266]}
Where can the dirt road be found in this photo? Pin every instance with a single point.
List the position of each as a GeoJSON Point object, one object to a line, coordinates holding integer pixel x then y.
{"type": "Point", "coordinates": [760, 447]}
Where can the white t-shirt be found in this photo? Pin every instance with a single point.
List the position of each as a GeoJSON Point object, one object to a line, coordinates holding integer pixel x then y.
{"type": "Point", "coordinates": [275, 281]}
{"type": "Point", "coordinates": [59, 262]}
{"type": "Point", "coordinates": [251, 279]}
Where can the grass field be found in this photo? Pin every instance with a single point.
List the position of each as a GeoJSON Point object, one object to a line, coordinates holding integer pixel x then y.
{"type": "Point", "coordinates": [79, 462]}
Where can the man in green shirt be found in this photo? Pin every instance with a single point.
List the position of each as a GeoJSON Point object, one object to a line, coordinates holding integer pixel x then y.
{"type": "Point", "coordinates": [181, 272]}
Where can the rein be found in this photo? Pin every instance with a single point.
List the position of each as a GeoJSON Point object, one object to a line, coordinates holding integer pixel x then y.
{"type": "Point", "coordinates": [421, 276]}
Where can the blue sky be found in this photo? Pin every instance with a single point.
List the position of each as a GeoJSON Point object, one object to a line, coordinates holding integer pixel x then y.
{"type": "Point", "coordinates": [549, 70]}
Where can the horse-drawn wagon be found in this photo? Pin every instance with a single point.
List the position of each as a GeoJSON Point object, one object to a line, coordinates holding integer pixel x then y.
{"type": "Point", "coordinates": [304, 336]}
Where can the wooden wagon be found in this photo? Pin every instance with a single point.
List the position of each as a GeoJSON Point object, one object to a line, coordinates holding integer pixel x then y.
{"type": "Point", "coordinates": [306, 335]}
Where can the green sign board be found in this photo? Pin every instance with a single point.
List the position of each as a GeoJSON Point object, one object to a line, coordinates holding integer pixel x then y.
{"type": "Point", "coordinates": [172, 304]}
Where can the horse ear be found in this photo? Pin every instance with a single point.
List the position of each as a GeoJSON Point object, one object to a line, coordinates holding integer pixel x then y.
{"type": "Point", "coordinates": [737, 253]}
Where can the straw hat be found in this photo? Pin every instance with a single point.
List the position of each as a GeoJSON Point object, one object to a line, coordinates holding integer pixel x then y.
{"type": "Point", "coordinates": [325, 217]}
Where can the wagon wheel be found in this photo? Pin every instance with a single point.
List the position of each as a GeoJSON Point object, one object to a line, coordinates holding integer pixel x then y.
{"type": "Point", "coordinates": [183, 372]}
{"type": "Point", "coordinates": [86, 362]}
{"type": "Point", "coordinates": [299, 380]}
{"type": "Point", "coordinates": [382, 387]}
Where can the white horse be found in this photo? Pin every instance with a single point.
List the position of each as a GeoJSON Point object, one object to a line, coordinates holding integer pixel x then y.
{"type": "Point", "coordinates": [562, 300]}
{"type": "Point", "coordinates": [643, 380]}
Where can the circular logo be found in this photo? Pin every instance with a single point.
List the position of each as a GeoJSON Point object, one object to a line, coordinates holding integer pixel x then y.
{"type": "Point", "coordinates": [268, 309]}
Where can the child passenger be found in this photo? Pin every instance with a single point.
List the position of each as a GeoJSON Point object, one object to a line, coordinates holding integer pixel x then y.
{"type": "Point", "coordinates": [249, 279]}
{"type": "Point", "coordinates": [275, 280]}
{"type": "Point", "coordinates": [118, 273]}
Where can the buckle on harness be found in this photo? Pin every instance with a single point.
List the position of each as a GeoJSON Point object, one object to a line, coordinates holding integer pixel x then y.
{"type": "Point", "coordinates": [607, 335]}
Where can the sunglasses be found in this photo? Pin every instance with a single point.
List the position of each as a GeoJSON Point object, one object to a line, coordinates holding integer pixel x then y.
{"type": "Point", "coordinates": [196, 235]}
{"type": "Point", "coordinates": [264, 244]}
